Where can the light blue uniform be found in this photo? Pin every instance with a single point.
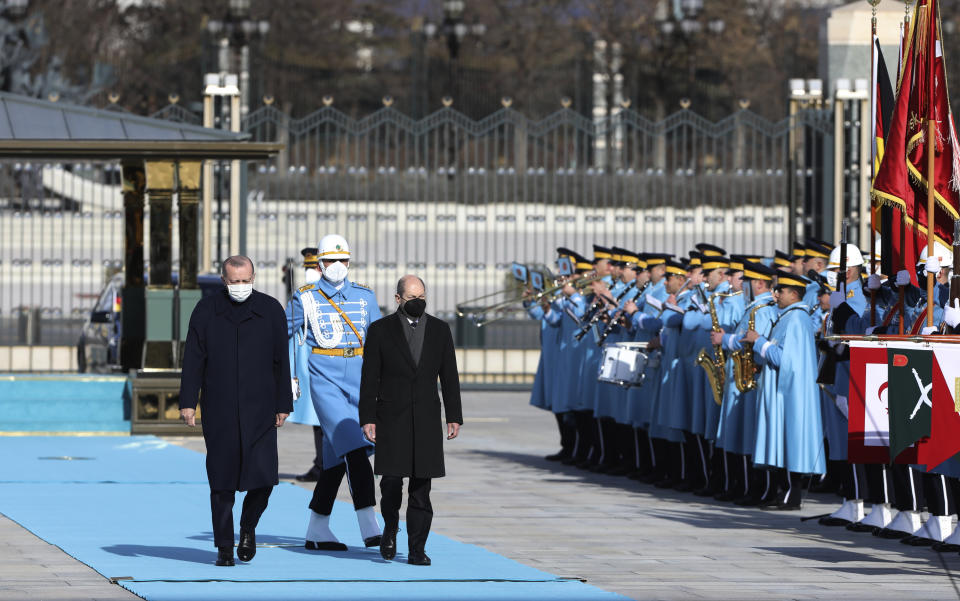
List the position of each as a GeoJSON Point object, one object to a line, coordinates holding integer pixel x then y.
{"type": "Point", "coordinates": [737, 430]}
{"type": "Point", "coordinates": [641, 399]}
{"type": "Point", "coordinates": [303, 411]}
{"type": "Point", "coordinates": [789, 425]}
{"type": "Point", "coordinates": [545, 382]}
{"type": "Point", "coordinates": [671, 376]}
{"type": "Point", "coordinates": [567, 396]}
{"type": "Point", "coordinates": [812, 300]}
{"type": "Point", "coordinates": [705, 412]}
{"type": "Point", "coordinates": [335, 380]}
{"type": "Point", "coordinates": [607, 397]}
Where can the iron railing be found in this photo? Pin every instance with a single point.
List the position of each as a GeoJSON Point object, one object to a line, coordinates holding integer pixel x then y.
{"type": "Point", "coordinates": [452, 199]}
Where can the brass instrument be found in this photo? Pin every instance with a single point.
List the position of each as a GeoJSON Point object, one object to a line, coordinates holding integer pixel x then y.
{"type": "Point", "coordinates": [715, 366]}
{"type": "Point", "coordinates": [580, 283]}
{"type": "Point", "coordinates": [745, 369]}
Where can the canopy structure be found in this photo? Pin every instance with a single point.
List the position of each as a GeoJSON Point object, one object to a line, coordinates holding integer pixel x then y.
{"type": "Point", "coordinates": [34, 128]}
{"type": "Point", "coordinates": [162, 160]}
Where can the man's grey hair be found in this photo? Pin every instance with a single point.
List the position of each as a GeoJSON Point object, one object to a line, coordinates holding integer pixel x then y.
{"type": "Point", "coordinates": [236, 261]}
{"type": "Point", "coordinates": [402, 284]}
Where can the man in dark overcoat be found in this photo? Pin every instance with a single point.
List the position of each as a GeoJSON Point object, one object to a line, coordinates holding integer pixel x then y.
{"type": "Point", "coordinates": [236, 359]}
{"type": "Point", "coordinates": [404, 355]}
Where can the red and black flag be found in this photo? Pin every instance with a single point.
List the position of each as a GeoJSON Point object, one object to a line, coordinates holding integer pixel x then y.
{"type": "Point", "coordinates": [902, 178]}
{"type": "Point", "coordinates": [882, 113]}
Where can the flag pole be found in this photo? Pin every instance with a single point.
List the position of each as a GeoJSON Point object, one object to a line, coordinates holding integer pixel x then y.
{"type": "Point", "coordinates": [873, 153]}
{"type": "Point", "coordinates": [931, 220]}
{"type": "Point", "coordinates": [903, 216]}
{"type": "Point", "coordinates": [931, 151]}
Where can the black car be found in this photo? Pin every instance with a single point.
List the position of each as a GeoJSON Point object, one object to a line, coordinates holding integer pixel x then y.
{"type": "Point", "coordinates": [98, 349]}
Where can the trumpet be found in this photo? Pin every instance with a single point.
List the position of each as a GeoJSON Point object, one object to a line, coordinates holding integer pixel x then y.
{"type": "Point", "coordinates": [558, 284]}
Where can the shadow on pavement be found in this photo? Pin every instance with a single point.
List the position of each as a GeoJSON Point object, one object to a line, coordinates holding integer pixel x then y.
{"type": "Point", "coordinates": [701, 512]}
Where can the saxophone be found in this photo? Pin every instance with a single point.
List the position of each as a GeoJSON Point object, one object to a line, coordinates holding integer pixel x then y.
{"type": "Point", "coordinates": [744, 368]}
{"type": "Point", "coordinates": [715, 366]}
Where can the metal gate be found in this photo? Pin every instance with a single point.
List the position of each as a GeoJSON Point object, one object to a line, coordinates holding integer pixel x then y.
{"type": "Point", "coordinates": [452, 199]}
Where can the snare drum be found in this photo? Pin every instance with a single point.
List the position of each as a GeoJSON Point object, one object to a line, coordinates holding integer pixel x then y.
{"type": "Point", "coordinates": [623, 363]}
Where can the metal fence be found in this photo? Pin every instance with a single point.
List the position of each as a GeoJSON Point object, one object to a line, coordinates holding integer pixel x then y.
{"type": "Point", "coordinates": [452, 199]}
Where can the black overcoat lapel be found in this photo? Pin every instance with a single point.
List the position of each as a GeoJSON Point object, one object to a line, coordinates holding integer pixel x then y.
{"type": "Point", "coordinates": [400, 339]}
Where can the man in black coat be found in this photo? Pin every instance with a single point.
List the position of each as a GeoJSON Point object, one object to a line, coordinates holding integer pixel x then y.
{"type": "Point", "coordinates": [236, 356]}
{"type": "Point", "coordinates": [404, 355]}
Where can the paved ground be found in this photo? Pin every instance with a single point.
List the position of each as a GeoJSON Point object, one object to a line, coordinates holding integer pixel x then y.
{"type": "Point", "coordinates": [619, 535]}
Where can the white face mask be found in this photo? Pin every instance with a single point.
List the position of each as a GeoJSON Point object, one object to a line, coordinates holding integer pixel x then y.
{"type": "Point", "coordinates": [832, 278]}
{"type": "Point", "coordinates": [335, 273]}
{"type": "Point", "coordinates": [312, 276]}
{"type": "Point", "coordinates": [239, 292]}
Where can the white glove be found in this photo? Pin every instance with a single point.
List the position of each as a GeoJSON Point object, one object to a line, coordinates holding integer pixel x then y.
{"type": "Point", "coordinates": [927, 330]}
{"type": "Point", "coordinates": [951, 314]}
{"type": "Point", "coordinates": [932, 266]}
{"type": "Point", "coordinates": [873, 282]}
{"type": "Point", "coordinates": [832, 278]}
{"type": "Point", "coordinates": [295, 387]}
{"type": "Point", "coordinates": [836, 299]}
{"type": "Point", "coordinates": [870, 330]}
{"type": "Point", "coordinates": [903, 278]}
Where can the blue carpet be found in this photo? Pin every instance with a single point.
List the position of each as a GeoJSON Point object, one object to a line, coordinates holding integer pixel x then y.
{"type": "Point", "coordinates": [64, 403]}
{"type": "Point", "coordinates": [98, 459]}
{"type": "Point", "coordinates": [138, 510]}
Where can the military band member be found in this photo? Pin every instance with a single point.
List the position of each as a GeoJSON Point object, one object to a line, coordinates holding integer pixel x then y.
{"type": "Point", "coordinates": [789, 427]}
{"type": "Point", "coordinates": [798, 259]}
{"type": "Point", "coordinates": [303, 411]}
{"type": "Point", "coordinates": [332, 316]}
{"type": "Point", "coordinates": [846, 301]}
{"type": "Point", "coordinates": [668, 440]}
{"type": "Point", "coordinates": [572, 304]}
{"type": "Point", "coordinates": [736, 431]}
{"type": "Point", "coordinates": [545, 385]}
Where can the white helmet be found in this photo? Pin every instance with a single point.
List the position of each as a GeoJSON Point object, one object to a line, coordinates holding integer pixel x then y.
{"type": "Point", "coordinates": [333, 246]}
{"type": "Point", "coordinates": [854, 258]}
{"type": "Point", "coordinates": [942, 252]}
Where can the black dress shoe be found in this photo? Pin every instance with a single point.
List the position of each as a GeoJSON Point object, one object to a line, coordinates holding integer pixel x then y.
{"type": "Point", "coordinates": [832, 521]}
{"type": "Point", "coordinates": [225, 556]}
{"type": "Point", "coordinates": [372, 541]}
{"type": "Point", "coordinates": [706, 491]}
{"type": "Point", "coordinates": [748, 501]}
{"type": "Point", "coordinates": [667, 483]}
{"type": "Point", "coordinates": [311, 476]}
{"type": "Point", "coordinates": [620, 470]}
{"type": "Point", "coordinates": [652, 477]}
{"type": "Point", "coordinates": [572, 460]}
{"type": "Point", "coordinates": [388, 543]}
{"type": "Point", "coordinates": [324, 546]}
{"type": "Point", "coordinates": [860, 527]}
{"type": "Point", "coordinates": [891, 534]}
{"type": "Point", "coordinates": [418, 558]}
{"type": "Point", "coordinates": [726, 496]}
{"type": "Point", "coordinates": [559, 456]}
{"type": "Point", "coordinates": [946, 547]}
{"type": "Point", "coordinates": [247, 547]}
{"type": "Point", "coordinates": [781, 507]}
{"type": "Point", "coordinates": [918, 541]}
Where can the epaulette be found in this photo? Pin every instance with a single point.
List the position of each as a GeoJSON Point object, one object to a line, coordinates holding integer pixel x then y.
{"type": "Point", "coordinates": [307, 287]}
{"type": "Point", "coordinates": [363, 286]}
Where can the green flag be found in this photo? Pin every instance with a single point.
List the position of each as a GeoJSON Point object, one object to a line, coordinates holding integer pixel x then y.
{"type": "Point", "coordinates": [910, 396]}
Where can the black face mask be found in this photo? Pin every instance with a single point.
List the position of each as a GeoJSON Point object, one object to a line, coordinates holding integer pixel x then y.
{"type": "Point", "coordinates": [415, 307]}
